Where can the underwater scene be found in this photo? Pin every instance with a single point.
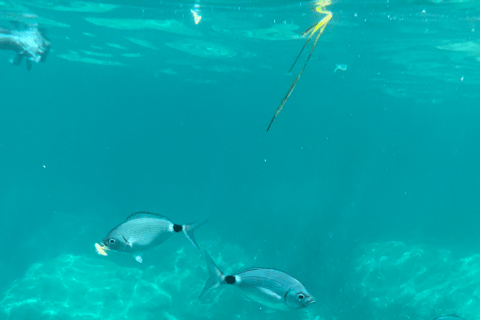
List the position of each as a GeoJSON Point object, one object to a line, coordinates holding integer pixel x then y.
{"type": "Point", "coordinates": [240, 160]}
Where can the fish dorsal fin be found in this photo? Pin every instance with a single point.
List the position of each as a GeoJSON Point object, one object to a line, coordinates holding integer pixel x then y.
{"type": "Point", "coordinates": [143, 214]}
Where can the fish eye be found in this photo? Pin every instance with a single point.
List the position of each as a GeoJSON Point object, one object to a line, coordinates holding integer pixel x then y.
{"type": "Point", "coordinates": [301, 296]}
{"type": "Point", "coordinates": [111, 241]}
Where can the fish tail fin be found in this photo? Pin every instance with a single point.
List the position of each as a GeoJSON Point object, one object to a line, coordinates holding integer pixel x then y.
{"type": "Point", "coordinates": [29, 64]}
{"type": "Point", "coordinates": [17, 60]}
{"type": "Point", "coordinates": [188, 231]}
{"type": "Point", "coordinates": [216, 276]}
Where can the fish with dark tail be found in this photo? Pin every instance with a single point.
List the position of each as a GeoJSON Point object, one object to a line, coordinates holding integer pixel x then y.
{"type": "Point", "coordinates": [449, 317]}
{"type": "Point", "coordinates": [27, 40]}
{"type": "Point", "coordinates": [272, 288]}
{"type": "Point", "coordinates": [143, 231]}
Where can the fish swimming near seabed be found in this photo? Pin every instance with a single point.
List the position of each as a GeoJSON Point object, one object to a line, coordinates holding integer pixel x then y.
{"type": "Point", "coordinates": [143, 231]}
{"type": "Point", "coordinates": [449, 317]}
{"type": "Point", "coordinates": [27, 40]}
{"type": "Point", "coordinates": [269, 287]}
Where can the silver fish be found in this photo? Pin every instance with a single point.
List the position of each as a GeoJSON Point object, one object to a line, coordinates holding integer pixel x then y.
{"type": "Point", "coordinates": [27, 40]}
{"type": "Point", "coordinates": [272, 288]}
{"type": "Point", "coordinates": [449, 317]}
{"type": "Point", "coordinates": [145, 230]}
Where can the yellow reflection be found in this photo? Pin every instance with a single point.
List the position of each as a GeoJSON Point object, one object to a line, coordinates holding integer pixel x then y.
{"type": "Point", "coordinates": [317, 28]}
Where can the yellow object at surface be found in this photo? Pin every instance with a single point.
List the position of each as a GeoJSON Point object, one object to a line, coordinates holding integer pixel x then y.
{"type": "Point", "coordinates": [317, 28]}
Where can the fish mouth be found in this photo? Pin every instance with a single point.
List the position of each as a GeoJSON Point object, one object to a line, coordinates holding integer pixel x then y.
{"type": "Point", "coordinates": [310, 301]}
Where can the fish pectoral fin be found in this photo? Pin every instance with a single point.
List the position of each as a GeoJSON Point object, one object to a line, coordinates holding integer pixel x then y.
{"type": "Point", "coordinates": [128, 243]}
{"type": "Point", "coordinates": [270, 293]}
{"type": "Point", "coordinates": [138, 258]}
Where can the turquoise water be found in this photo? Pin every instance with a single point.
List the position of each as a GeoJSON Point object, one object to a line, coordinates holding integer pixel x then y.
{"type": "Point", "coordinates": [365, 188]}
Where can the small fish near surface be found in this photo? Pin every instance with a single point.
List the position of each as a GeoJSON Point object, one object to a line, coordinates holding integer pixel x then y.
{"type": "Point", "coordinates": [270, 287]}
{"type": "Point", "coordinates": [449, 317]}
{"type": "Point", "coordinates": [27, 40]}
{"type": "Point", "coordinates": [142, 231]}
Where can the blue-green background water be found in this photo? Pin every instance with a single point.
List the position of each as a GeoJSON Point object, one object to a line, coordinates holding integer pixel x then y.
{"type": "Point", "coordinates": [384, 151]}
